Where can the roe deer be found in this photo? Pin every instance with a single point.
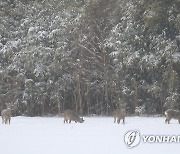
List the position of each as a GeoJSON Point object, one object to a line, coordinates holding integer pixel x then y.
{"type": "Point", "coordinates": [71, 116]}
{"type": "Point", "coordinates": [119, 114]}
{"type": "Point", "coordinates": [170, 113]}
{"type": "Point", "coordinates": [6, 115]}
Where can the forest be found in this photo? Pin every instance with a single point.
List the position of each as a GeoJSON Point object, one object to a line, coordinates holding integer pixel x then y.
{"type": "Point", "coordinates": [92, 56]}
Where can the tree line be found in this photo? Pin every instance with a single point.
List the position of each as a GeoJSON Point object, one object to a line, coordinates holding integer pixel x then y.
{"type": "Point", "coordinates": [89, 56]}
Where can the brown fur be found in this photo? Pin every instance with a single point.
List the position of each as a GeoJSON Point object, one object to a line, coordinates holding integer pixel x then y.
{"type": "Point", "coordinates": [119, 114]}
{"type": "Point", "coordinates": [6, 116]}
{"type": "Point", "coordinates": [70, 115]}
{"type": "Point", "coordinates": [170, 114]}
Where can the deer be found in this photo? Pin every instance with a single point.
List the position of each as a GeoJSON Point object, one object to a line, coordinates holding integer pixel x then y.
{"type": "Point", "coordinates": [172, 114]}
{"type": "Point", "coordinates": [70, 115]}
{"type": "Point", "coordinates": [119, 114]}
{"type": "Point", "coordinates": [6, 116]}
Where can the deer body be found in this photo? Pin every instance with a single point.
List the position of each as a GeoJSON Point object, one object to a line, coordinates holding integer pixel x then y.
{"type": "Point", "coordinates": [119, 114]}
{"type": "Point", "coordinates": [6, 116]}
{"type": "Point", "coordinates": [70, 115]}
{"type": "Point", "coordinates": [170, 114]}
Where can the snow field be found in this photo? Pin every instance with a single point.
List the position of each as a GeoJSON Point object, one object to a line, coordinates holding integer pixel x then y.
{"type": "Point", "coordinates": [97, 135]}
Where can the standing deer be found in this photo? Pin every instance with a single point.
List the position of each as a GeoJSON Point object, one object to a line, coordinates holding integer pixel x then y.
{"type": "Point", "coordinates": [119, 114]}
{"type": "Point", "coordinates": [70, 115]}
{"type": "Point", "coordinates": [6, 116]}
{"type": "Point", "coordinates": [170, 113]}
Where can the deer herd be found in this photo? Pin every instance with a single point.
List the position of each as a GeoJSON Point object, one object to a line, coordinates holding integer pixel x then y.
{"type": "Point", "coordinates": [70, 115]}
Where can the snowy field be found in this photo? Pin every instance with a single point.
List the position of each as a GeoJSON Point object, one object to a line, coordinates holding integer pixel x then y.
{"type": "Point", "coordinates": [97, 135]}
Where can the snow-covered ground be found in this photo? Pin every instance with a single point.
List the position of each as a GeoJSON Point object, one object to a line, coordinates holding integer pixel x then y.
{"type": "Point", "coordinates": [97, 135]}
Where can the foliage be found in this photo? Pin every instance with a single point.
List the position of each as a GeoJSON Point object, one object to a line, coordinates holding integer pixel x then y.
{"type": "Point", "coordinates": [90, 56]}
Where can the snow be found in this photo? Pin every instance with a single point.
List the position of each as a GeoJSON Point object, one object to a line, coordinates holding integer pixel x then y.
{"type": "Point", "coordinates": [176, 56]}
{"type": "Point", "coordinates": [97, 135]}
{"type": "Point", "coordinates": [149, 13]}
{"type": "Point", "coordinates": [33, 30]}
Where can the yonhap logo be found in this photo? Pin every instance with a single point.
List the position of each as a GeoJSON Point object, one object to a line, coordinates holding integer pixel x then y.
{"type": "Point", "coordinates": [132, 138]}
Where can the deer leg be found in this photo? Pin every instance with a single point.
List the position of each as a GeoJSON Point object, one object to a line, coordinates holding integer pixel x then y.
{"type": "Point", "coordinates": [123, 120]}
{"type": "Point", "coordinates": [65, 120]}
{"type": "Point", "coordinates": [114, 120]}
{"type": "Point", "coordinates": [166, 120]}
{"type": "Point", "coordinates": [118, 121]}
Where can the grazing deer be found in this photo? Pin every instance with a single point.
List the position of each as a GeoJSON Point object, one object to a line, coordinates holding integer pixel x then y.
{"type": "Point", "coordinates": [6, 116]}
{"type": "Point", "coordinates": [70, 115]}
{"type": "Point", "coordinates": [119, 114]}
{"type": "Point", "coordinates": [170, 113]}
